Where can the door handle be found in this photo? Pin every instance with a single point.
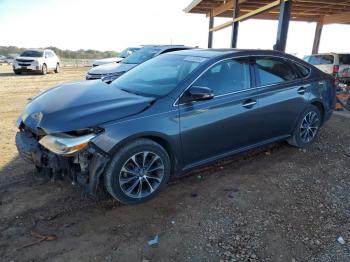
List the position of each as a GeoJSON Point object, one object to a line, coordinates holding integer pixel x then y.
{"type": "Point", "coordinates": [249, 103]}
{"type": "Point", "coordinates": [301, 90]}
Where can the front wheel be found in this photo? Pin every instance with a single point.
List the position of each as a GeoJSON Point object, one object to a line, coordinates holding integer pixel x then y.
{"type": "Point", "coordinates": [138, 172]}
{"type": "Point", "coordinates": [307, 128]}
{"type": "Point", "coordinates": [17, 72]}
{"type": "Point", "coordinates": [44, 69]}
{"type": "Point", "coordinates": [57, 69]}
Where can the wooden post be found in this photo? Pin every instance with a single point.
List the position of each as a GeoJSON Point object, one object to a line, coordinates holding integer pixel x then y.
{"type": "Point", "coordinates": [317, 38]}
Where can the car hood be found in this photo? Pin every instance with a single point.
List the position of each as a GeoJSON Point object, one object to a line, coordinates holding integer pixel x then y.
{"type": "Point", "coordinates": [79, 105]}
{"type": "Point", "coordinates": [108, 60]}
{"type": "Point", "coordinates": [111, 68]}
{"type": "Point", "coordinates": [27, 58]}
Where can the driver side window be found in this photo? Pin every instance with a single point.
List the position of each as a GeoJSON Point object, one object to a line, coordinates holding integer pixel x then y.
{"type": "Point", "coordinates": [226, 77]}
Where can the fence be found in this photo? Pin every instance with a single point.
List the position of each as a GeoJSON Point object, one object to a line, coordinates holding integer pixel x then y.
{"type": "Point", "coordinates": [77, 62]}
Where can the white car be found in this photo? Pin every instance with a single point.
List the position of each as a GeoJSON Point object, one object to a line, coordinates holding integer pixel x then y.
{"type": "Point", "coordinates": [125, 53]}
{"type": "Point", "coordinates": [330, 63]}
{"type": "Point", "coordinates": [36, 60]}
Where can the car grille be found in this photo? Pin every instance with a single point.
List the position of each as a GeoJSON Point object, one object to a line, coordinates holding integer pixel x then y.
{"type": "Point", "coordinates": [94, 76]}
{"type": "Point", "coordinates": [21, 64]}
{"type": "Point", "coordinates": [24, 60]}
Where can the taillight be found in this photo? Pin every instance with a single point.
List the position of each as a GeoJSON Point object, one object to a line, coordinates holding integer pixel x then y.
{"type": "Point", "coordinates": [335, 69]}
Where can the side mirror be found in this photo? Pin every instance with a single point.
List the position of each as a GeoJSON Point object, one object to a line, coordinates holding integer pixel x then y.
{"type": "Point", "coordinates": [199, 93]}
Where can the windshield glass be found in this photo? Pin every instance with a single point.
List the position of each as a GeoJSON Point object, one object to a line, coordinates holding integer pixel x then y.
{"type": "Point", "coordinates": [32, 53]}
{"type": "Point", "coordinates": [141, 56]}
{"type": "Point", "coordinates": [320, 59]}
{"type": "Point", "coordinates": [344, 59]}
{"type": "Point", "coordinates": [158, 76]}
{"type": "Point", "coordinates": [126, 52]}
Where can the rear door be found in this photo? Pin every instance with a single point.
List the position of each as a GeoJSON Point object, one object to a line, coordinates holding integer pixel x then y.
{"type": "Point", "coordinates": [283, 95]}
{"type": "Point", "coordinates": [224, 123]}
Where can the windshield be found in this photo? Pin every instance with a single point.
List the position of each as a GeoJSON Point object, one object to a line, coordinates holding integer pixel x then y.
{"type": "Point", "coordinates": [344, 59]}
{"type": "Point", "coordinates": [32, 53]}
{"type": "Point", "coordinates": [158, 76]}
{"type": "Point", "coordinates": [126, 52]}
{"type": "Point", "coordinates": [141, 56]}
{"type": "Point", "coordinates": [320, 59]}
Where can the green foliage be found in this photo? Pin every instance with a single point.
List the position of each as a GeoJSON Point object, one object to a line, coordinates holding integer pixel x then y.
{"type": "Point", "coordinates": [80, 54]}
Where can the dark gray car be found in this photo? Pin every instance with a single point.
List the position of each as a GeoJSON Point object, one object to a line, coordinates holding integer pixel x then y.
{"type": "Point", "coordinates": [171, 114]}
{"type": "Point", "coordinates": [112, 71]}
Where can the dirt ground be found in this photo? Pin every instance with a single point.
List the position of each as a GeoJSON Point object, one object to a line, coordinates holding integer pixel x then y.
{"type": "Point", "coordinates": [276, 203]}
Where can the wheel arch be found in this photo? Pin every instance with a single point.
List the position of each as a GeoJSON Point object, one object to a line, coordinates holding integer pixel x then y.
{"type": "Point", "coordinates": [320, 107]}
{"type": "Point", "coordinates": [159, 138]}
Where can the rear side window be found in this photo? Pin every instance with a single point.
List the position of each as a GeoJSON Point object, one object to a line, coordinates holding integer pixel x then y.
{"type": "Point", "coordinates": [226, 77]}
{"type": "Point", "coordinates": [344, 59]}
{"type": "Point", "coordinates": [270, 71]}
{"type": "Point", "coordinates": [303, 70]}
{"type": "Point", "coordinates": [320, 59]}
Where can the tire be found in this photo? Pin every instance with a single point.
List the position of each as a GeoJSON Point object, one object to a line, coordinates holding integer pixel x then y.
{"type": "Point", "coordinates": [17, 72]}
{"type": "Point", "coordinates": [44, 69]}
{"type": "Point", "coordinates": [123, 174]}
{"type": "Point", "coordinates": [307, 128]}
{"type": "Point", "coordinates": [57, 69]}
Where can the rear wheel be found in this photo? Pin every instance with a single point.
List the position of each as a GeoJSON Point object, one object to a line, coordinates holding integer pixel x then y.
{"type": "Point", "coordinates": [307, 128]}
{"type": "Point", "coordinates": [44, 69]}
{"type": "Point", "coordinates": [138, 172]}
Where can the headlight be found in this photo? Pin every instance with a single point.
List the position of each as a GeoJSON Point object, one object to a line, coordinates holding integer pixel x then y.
{"type": "Point", "coordinates": [35, 62]}
{"type": "Point", "coordinates": [64, 144]}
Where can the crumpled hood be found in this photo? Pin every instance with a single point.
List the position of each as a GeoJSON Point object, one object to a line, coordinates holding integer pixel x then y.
{"type": "Point", "coordinates": [108, 60]}
{"type": "Point", "coordinates": [79, 105]}
{"type": "Point", "coordinates": [111, 68]}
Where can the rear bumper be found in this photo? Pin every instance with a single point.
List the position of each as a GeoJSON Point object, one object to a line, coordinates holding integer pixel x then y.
{"type": "Point", "coordinates": [85, 168]}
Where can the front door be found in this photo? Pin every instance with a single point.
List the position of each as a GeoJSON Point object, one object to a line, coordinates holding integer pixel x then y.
{"type": "Point", "coordinates": [224, 123]}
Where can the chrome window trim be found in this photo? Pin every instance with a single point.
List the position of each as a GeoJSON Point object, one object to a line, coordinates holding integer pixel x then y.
{"type": "Point", "coordinates": [241, 91]}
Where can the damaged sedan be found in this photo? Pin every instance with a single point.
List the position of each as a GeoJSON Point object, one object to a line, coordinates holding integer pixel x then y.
{"type": "Point", "coordinates": [172, 114]}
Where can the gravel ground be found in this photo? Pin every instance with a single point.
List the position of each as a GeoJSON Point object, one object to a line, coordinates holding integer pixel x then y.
{"type": "Point", "coordinates": [276, 203]}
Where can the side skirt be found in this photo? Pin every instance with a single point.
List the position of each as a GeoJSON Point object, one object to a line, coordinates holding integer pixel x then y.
{"type": "Point", "coordinates": [231, 153]}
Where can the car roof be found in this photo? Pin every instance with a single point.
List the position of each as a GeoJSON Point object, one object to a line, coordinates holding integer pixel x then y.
{"type": "Point", "coordinates": [165, 47]}
{"type": "Point", "coordinates": [212, 53]}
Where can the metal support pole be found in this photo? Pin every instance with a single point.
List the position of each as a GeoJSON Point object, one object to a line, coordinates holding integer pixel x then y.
{"type": "Point", "coordinates": [235, 25]}
{"type": "Point", "coordinates": [317, 38]}
{"type": "Point", "coordinates": [210, 35]}
{"type": "Point", "coordinates": [283, 24]}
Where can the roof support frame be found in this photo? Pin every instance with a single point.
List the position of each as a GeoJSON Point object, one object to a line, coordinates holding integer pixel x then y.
{"type": "Point", "coordinates": [235, 25]}
{"type": "Point", "coordinates": [249, 15]}
{"type": "Point", "coordinates": [283, 25]}
{"type": "Point", "coordinates": [317, 38]}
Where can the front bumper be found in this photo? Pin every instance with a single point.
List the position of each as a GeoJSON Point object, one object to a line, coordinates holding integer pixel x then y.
{"type": "Point", "coordinates": [26, 67]}
{"type": "Point", "coordinates": [85, 168]}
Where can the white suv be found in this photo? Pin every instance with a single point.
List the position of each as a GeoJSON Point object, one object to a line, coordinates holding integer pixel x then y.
{"type": "Point", "coordinates": [330, 63]}
{"type": "Point", "coordinates": [36, 60]}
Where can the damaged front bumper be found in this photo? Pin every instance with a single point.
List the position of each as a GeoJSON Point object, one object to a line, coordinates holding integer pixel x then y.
{"type": "Point", "coordinates": [85, 167]}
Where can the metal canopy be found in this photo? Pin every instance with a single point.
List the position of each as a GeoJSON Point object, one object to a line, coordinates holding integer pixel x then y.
{"type": "Point", "coordinates": [325, 11]}
{"type": "Point", "coordinates": [320, 11]}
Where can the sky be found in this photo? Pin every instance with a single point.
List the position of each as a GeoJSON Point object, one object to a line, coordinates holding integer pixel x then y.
{"type": "Point", "coordinates": [117, 24]}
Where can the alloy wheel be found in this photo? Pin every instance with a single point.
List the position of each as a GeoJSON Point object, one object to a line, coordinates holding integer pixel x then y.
{"type": "Point", "coordinates": [141, 174]}
{"type": "Point", "coordinates": [309, 127]}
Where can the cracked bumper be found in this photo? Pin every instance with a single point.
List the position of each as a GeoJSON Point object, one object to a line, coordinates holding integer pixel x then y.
{"type": "Point", "coordinates": [86, 167]}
